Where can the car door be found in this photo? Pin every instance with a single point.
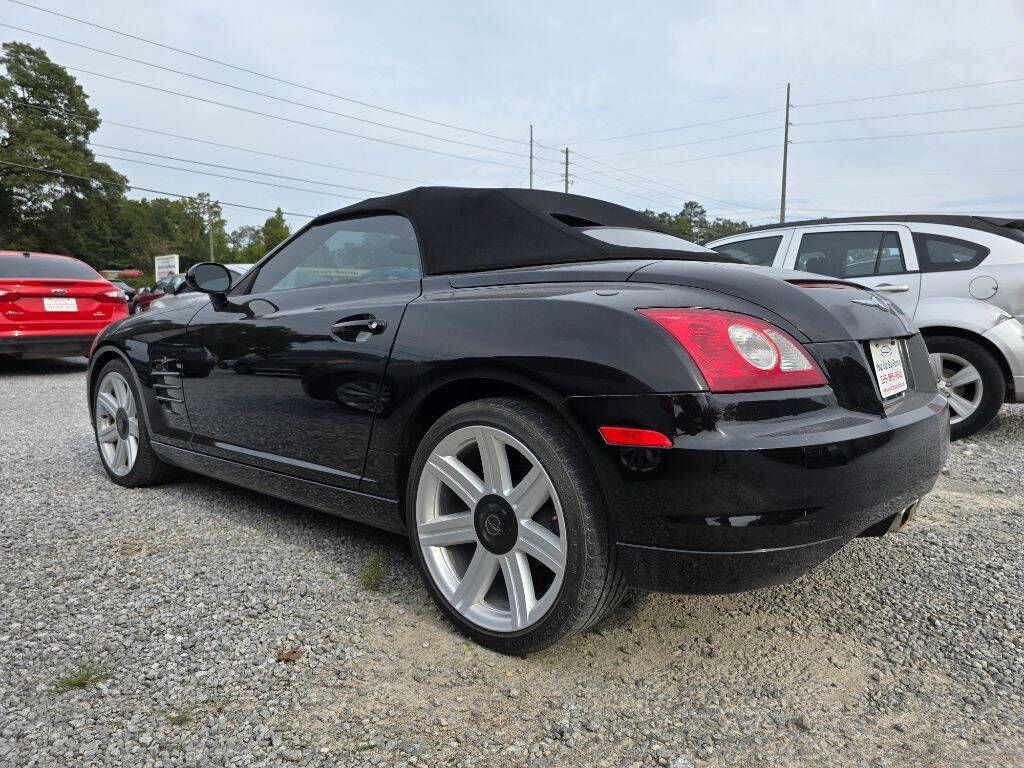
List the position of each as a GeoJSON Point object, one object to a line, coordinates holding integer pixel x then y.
{"type": "Point", "coordinates": [288, 373]}
{"type": "Point", "coordinates": [878, 256]}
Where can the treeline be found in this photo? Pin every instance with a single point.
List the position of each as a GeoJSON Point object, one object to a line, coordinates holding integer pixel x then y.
{"type": "Point", "coordinates": [80, 207]}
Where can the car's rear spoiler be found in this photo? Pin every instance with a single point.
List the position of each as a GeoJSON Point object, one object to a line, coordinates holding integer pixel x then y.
{"type": "Point", "coordinates": [1015, 223]}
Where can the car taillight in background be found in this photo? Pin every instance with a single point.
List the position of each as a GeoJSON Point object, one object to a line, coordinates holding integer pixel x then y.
{"type": "Point", "coordinates": [739, 353]}
{"type": "Point", "coordinates": [116, 295]}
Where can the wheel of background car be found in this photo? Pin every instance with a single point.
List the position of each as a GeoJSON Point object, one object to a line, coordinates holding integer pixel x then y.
{"type": "Point", "coordinates": [120, 430]}
{"type": "Point", "coordinates": [508, 528]}
{"type": "Point", "coordinates": [970, 377]}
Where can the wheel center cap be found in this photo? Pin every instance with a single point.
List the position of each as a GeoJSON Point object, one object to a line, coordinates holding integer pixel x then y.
{"type": "Point", "coordinates": [121, 421]}
{"type": "Point", "coordinates": [496, 524]}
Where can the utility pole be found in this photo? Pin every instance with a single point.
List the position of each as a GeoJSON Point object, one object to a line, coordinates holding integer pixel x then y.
{"type": "Point", "coordinates": [566, 170]}
{"type": "Point", "coordinates": [209, 225]}
{"type": "Point", "coordinates": [531, 156]}
{"type": "Point", "coordinates": [785, 159]}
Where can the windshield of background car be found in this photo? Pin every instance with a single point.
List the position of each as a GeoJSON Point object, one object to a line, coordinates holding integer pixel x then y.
{"type": "Point", "coordinates": [371, 249]}
{"type": "Point", "coordinates": [36, 268]}
{"type": "Point", "coordinates": [642, 238]}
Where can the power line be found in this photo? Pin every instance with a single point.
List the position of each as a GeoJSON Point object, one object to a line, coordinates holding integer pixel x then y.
{"type": "Point", "coordinates": [691, 143]}
{"type": "Point", "coordinates": [266, 95]}
{"type": "Point", "coordinates": [911, 63]}
{"type": "Point", "coordinates": [146, 189]}
{"type": "Point", "coordinates": [676, 128]}
{"type": "Point", "coordinates": [223, 176]}
{"type": "Point", "coordinates": [247, 71]}
{"type": "Point", "coordinates": [293, 121]}
{"type": "Point", "coordinates": [834, 177]}
{"type": "Point", "coordinates": [909, 93]}
{"type": "Point", "coordinates": [623, 191]}
{"type": "Point", "coordinates": [704, 157]}
{"type": "Point", "coordinates": [655, 181]}
{"type": "Point", "coordinates": [913, 114]}
{"type": "Point", "coordinates": [219, 144]}
{"type": "Point", "coordinates": [909, 135]}
{"type": "Point", "coordinates": [234, 168]}
{"type": "Point", "coordinates": [227, 168]}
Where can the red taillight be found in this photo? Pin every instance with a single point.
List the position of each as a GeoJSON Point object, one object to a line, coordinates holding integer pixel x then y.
{"type": "Point", "coordinates": [739, 353]}
{"type": "Point", "coordinates": [116, 296]}
{"type": "Point", "coordinates": [634, 438]}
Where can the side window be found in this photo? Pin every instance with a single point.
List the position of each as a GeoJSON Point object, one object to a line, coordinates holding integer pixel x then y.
{"type": "Point", "coordinates": [890, 256]}
{"type": "Point", "coordinates": [372, 249]}
{"type": "Point", "coordinates": [760, 251]}
{"type": "Point", "coordinates": [161, 285]}
{"type": "Point", "coordinates": [850, 254]}
{"type": "Point", "coordinates": [937, 253]}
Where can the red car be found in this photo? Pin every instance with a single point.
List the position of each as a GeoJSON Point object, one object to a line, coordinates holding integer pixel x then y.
{"type": "Point", "coordinates": [53, 306]}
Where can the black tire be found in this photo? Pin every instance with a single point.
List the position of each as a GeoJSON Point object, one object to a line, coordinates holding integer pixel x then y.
{"type": "Point", "coordinates": [148, 469]}
{"type": "Point", "coordinates": [592, 584]}
{"type": "Point", "coordinates": [992, 381]}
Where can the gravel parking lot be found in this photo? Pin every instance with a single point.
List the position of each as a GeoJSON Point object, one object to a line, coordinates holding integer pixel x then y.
{"type": "Point", "coordinates": [151, 628]}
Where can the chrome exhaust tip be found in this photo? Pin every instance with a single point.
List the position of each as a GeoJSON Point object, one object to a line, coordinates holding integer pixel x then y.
{"type": "Point", "coordinates": [895, 522]}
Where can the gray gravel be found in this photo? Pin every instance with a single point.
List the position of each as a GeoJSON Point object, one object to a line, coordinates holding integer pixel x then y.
{"type": "Point", "coordinates": [178, 600]}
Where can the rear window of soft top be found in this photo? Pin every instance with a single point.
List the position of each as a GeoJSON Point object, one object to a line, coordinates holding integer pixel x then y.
{"type": "Point", "coordinates": [42, 267]}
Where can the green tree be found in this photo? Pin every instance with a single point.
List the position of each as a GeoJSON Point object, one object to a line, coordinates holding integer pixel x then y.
{"type": "Point", "coordinates": [248, 244]}
{"type": "Point", "coordinates": [692, 223]}
{"type": "Point", "coordinates": [275, 229]}
{"type": "Point", "coordinates": [40, 211]}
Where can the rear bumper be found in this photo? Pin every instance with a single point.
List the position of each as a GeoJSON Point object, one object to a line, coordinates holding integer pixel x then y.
{"type": "Point", "coordinates": [32, 347]}
{"type": "Point", "coordinates": [741, 504]}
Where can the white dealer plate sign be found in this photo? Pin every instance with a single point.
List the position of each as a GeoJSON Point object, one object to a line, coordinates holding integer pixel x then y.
{"type": "Point", "coordinates": [888, 362]}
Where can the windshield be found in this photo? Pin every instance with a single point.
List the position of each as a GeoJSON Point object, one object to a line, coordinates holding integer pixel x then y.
{"type": "Point", "coordinates": [642, 238]}
{"type": "Point", "coordinates": [42, 267]}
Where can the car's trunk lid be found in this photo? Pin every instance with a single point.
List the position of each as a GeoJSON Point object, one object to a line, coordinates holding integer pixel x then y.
{"type": "Point", "coordinates": [820, 308]}
{"type": "Point", "coordinates": [54, 304]}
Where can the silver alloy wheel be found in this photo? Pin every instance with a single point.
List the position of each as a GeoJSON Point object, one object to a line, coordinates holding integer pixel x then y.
{"type": "Point", "coordinates": [490, 528]}
{"type": "Point", "coordinates": [959, 381]}
{"type": "Point", "coordinates": [117, 424]}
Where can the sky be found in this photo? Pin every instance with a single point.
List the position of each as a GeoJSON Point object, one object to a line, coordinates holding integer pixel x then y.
{"type": "Point", "coordinates": [697, 90]}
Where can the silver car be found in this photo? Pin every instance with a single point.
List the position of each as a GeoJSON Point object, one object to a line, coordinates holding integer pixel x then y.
{"type": "Point", "coordinates": [185, 296]}
{"type": "Point", "coordinates": [961, 279]}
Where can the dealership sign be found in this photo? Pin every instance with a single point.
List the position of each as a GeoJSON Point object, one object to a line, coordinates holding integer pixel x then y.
{"type": "Point", "coordinates": [165, 265]}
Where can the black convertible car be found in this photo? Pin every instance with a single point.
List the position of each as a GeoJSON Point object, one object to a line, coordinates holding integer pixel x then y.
{"type": "Point", "coordinates": [556, 400]}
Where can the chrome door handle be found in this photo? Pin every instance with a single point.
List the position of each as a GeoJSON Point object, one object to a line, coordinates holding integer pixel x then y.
{"type": "Point", "coordinates": [890, 288]}
{"type": "Point", "coordinates": [350, 329]}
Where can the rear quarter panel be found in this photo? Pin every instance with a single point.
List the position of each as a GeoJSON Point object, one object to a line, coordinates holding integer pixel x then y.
{"type": "Point", "coordinates": [1004, 264]}
{"type": "Point", "coordinates": [557, 340]}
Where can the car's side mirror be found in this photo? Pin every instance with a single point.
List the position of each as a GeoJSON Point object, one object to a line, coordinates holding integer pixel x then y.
{"type": "Point", "coordinates": [212, 278]}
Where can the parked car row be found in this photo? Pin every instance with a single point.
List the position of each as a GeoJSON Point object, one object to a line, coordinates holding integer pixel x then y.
{"type": "Point", "coordinates": [960, 278]}
{"type": "Point", "coordinates": [173, 289]}
{"type": "Point", "coordinates": [53, 305]}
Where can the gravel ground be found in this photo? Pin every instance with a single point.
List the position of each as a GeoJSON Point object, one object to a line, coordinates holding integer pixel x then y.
{"type": "Point", "coordinates": [151, 628]}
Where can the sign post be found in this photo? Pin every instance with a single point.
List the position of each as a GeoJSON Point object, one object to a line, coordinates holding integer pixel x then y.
{"type": "Point", "coordinates": [165, 265]}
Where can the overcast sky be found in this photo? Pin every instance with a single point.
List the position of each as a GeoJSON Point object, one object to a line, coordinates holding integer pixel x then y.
{"type": "Point", "coordinates": [579, 72]}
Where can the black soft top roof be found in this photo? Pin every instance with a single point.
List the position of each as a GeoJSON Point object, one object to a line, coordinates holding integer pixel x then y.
{"type": "Point", "coordinates": [995, 225]}
{"type": "Point", "coordinates": [471, 230]}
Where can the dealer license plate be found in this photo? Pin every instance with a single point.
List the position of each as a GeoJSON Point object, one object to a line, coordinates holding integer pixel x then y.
{"type": "Point", "coordinates": [60, 305]}
{"type": "Point", "coordinates": [888, 362]}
